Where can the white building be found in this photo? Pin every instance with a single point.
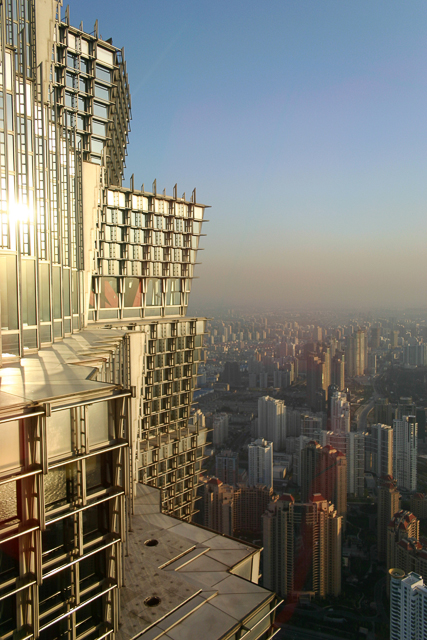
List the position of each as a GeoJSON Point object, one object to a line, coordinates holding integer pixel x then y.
{"type": "Point", "coordinates": [220, 429]}
{"type": "Point", "coordinates": [260, 453]}
{"type": "Point", "coordinates": [340, 413]}
{"type": "Point", "coordinates": [408, 606]}
{"type": "Point", "coordinates": [405, 439]}
{"type": "Point", "coordinates": [272, 421]}
{"type": "Point", "coordinates": [379, 450]}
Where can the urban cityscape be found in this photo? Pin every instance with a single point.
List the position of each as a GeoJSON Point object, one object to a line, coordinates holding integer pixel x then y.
{"type": "Point", "coordinates": [176, 468]}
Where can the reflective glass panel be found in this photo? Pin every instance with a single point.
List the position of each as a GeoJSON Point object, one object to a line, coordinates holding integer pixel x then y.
{"type": "Point", "coordinates": [109, 297]}
{"type": "Point", "coordinates": [133, 292]}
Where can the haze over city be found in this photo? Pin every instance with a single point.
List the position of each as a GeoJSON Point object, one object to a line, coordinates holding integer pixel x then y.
{"type": "Point", "coordinates": [302, 124]}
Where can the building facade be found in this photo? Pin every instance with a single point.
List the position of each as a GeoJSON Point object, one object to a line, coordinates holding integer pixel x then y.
{"type": "Point", "coordinates": [260, 461]}
{"type": "Point", "coordinates": [408, 606]}
{"type": "Point", "coordinates": [379, 450]}
{"type": "Point", "coordinates": [387, 505]}
{"type": "Point", "coordinates": [405, 446]}
{"type": "Point", "coordinates": [272, 421]}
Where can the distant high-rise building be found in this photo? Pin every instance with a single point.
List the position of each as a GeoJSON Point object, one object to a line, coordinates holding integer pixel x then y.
{"type": "Point", "coordinates": [338, 370]}
{"type": "Point", "coordinates": [379, 450]}
{"type": "Point", "coordinates": [302, 547]}
{"type": "Point", "coordinates": [375, 337]}
{"type": "Point", "coordinates": [418, 505]}
{"type": "Point", "coordinates": [316, 380]}
{"type": "Point", "coordinates": [218, 506]}
{"type": "Point", "coordinates": [394, 339]}
{"type": "Point", "coordinates": [408, 605]}
{"type": "Point", "coordinates": [388, 504]}
{"type": "Point", "coordinates": [272, 421]}
{"type": "Point", "coordinates": [260, 462]}
{"type": "Point", "coordinates": [340, 413]}
{"type": "Point", "coordinates": [227, 467]}
{"type": "Point", "coordinates": [356, 356]}
{"type": "Point", "coordinates": [324, 471]}
{"type": "Point", "coordinates": [402, 526]}
{"type": "Point", "coordinates": [405, 445]}
{"type": "Point", "coordinates": [219, 422]}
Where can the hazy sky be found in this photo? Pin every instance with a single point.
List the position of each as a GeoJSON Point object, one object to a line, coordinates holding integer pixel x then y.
{"type": "Point", "coordinates": [303, 123]}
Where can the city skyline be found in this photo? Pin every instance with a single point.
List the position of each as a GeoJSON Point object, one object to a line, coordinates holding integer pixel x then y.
{"type": "Point", "coordinates": [302, 126]}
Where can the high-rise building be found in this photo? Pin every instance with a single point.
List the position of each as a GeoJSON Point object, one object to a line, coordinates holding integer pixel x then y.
{"type": "Point", "coordinates": [260, 462]}
{"type": "Point", "coordinates": [324, 471]}
{"type": "Point", "coordinates": [356, 355]}
{"type": "Point", "coordinates": [338, 370]}
{"type": "Point", "coordinates": [402, 526]}
{"type": "Point", "coordinates": [99, 358]}
{"type": "Point", "coordinates": [219, 422]}
{"type": "Point", "coordinates": [340, 413]}
{"type": "Point", "coordinates": [388, 504]}
{"type": "Point", "coordinates": [316, 383]}
{"type": "Point", "coordinates": [379, 450]}
{"type": "Point", "coordinates": [405, 445]}
{"type": "Point", "coordinates": [218, 506]}
{"type": "Point", "coordinates": [272, 421]}
{"type": "Point", "coordinates": [418, 505]}
{"type": "Point", "coordinates": [408, 605]}
{"type": "Point", "coordinates": [227, 467]}
{"type": "Point", "coordinates": [302, 547]}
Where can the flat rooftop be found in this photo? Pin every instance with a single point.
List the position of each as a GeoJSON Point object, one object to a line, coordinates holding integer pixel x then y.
{"type": "Point", "coordinates": [199, 580]}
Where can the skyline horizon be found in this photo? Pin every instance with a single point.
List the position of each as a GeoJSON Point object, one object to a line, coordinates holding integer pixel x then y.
{"type": "Point", "coordinates": [304, 131]}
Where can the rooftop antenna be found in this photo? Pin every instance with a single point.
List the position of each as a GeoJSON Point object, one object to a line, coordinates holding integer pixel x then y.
{"type": "Point", "coordinates": [183, 196]}
{"type": "Point", "coordinates": [155, 187]}
{"type": "Point", "coordinates": [175, 191]}
{"type": "Point", "coordinates": [132, 182]}
{"type": "Point", "coordinates": [193, 195]}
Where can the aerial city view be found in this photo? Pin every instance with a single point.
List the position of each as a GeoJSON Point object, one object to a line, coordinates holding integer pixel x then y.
{"type": "Point", "coordinates": [213, 394]}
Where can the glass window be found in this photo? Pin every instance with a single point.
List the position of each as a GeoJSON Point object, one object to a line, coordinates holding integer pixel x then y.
{"type": "Point", "coordinates": [83, 85]}
{"type": "Point", "coordinates": [71, 80]}
{"type": "Point", "coordinates": [44, 291]}
{"type": "Point", "coordinates": [95, 521]}
{"type": "Point", "coordinates": [55, 589]}
{"type": "Point", "coordinates": [99, 128]}
{"type": "Point", "coordinates": [8, 290]}
{"type": "Point", "coordinates": [56, 281]}
{"type": "Point", "coordinates": [109, 296]}
{"type": "Point", "coordinates": [84, 65]}
{"type": "Point", "coordinates": [71, 61]}
{"type": "Point", "coordinates": [28, 292]}
{"type": "Point", "coordinates": [100, 110]}
{"type": "Point", "coordinates": [100, 424]}
{"type": "Point", "coordinates": [66, 291]}
{"type": "Point", "coordinates": [154, 292]}
{"type": "Point", "coordinates": [102, 92]}
{"type": "Point", "coordinates": [173, 291]}
{"type": "Point", "coordinates": [8, 510]}
{"type": "Point", "coordinates": [8, 622]}
{"type": "Point", "coordinates": [9, 111]}
{"type": "Point", "coordinates": [58, 429]}
{"type": "Point", "coordinates": [69, 100]}
{"type": "Point", "coordinates": [10, 153]}
{"type": "Point", "coordinates": [92, 569]}
{"type": "Point", "coordinates": [82, 104]}
{"type": "Point", "coordinates": [133, 292]}
{"type": "Point", "coordinates": [97, 145]}
{"type": "Point", "coordinates": [60, 486]}
{"type": "Point", "coordinates": [81, 123]}
{"type": "Point", "coordinates": [103, 73]}
{"type": "Point", "coordinates": [99, 473]}
{"type": "Point", "coordinates": [58, 539]}
{"type": "Point", "coordinates": [75, 291]}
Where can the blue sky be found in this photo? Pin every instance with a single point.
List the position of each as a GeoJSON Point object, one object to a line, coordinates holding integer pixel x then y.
{"type": "Point", "coordinates": [302, 123]}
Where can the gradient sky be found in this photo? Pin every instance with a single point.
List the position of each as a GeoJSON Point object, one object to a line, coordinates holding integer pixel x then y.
{"type": "Point", "coordinates": [302, 123]}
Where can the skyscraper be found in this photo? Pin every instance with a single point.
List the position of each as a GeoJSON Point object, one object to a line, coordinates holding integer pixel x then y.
{"type": "Point", "coordinates": [387, 505]}
{"type": "Point", "coordinates": [340, 413]}
{"type": "Point", "coordinates": [356, 355]}
{"type": "Point", "coordinates": [379, 450]}
{"type": "Point", "coordinates": [227, 467]}
{"type": "Point", "coordinates": [302, 547]}
{"type": "Point", "coordinates": [272, 421]}
{"type": "Point", "coordinates": [405, 445]}
{"type": "Point", "coordinates": [408, 603]}
{"type": "Point", "coordinates": [99, 359]}
{"type": "Point", "coordinates": [260, 454]}
{"type": "Point", "coordinates": [324, 471]}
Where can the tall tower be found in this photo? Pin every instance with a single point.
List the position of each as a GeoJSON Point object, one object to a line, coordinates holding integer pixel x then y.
{"type": "Point", "coordinates": [272, 421]}
{"type": "Point", "coordinates": [356, 354]}
{"type": "Point", "coordinates": [324, 471]}
{"type": "Point", "coordinates": [405, 444]}
{"type": "Point", "coordinates": [388, 504]}
{"type": "Point", "coordinates": [260, 454]}
{"type": "Point", "coordinates": [379, 450]}
{"type": "Point", "coordinates": [340, 413]}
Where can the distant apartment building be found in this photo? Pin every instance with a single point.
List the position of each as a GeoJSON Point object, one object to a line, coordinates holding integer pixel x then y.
{"type": "Point", "coordinates": [408, 606]}
{"type": "Point", "coordinates": [388, 504]}
{"type": "Point", "coordinates": [402, 526]}
{"type": "Point", "coordinates": [272, 421]}
{"type": "Point", "coordinates": [405, 445]}
{"type": "Point", "coordinates": [340, 413]}
{"type": "Point", "coordinates": [260, 462]}
{"type": "Point", "coordinates": [418, 505]}
{"type": "Point", "coordinates": [302, 547]}
{"type": "Point", "coordinates": [324, 471]}
{"type": "Point", "coordinates": [218, 422]}
{"type": "Point", "coordinates": [379, 450]}
{"type": "Point", "coordinates": [227, 467]}
{"type": "Point", "coordinates": [356, 354]}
